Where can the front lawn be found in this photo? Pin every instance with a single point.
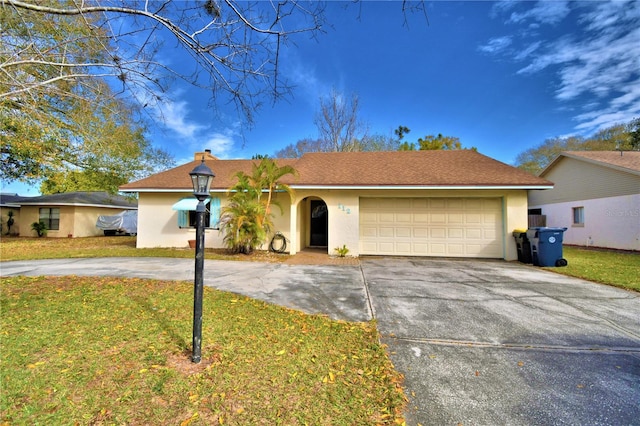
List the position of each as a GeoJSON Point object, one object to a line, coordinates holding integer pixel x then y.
{"type": "Point", "coordinates": [620, 269]}
{"type": "Point", "coordinates": [79, 350]}
{"type": "Point", "coordinates": [24, 248]}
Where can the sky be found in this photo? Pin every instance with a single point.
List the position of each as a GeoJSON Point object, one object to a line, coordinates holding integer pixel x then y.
{"type": "Point", "coordinates": [501, 76]}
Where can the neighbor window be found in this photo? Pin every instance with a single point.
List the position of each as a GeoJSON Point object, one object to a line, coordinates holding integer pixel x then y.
{"type": "Point", "coordinates": [187, 213]}
{"type": "Point", "coordinates": [578, 216]}
{"type": "Point", "coordinates": [51, 218]}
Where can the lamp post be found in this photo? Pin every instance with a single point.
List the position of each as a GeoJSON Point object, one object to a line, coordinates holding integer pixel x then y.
{"type": "Point", "coordinates": [201, 177]}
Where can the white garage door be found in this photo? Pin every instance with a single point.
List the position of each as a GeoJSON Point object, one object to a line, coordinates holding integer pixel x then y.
{"type": "Point", "coordinates": [449, 227]}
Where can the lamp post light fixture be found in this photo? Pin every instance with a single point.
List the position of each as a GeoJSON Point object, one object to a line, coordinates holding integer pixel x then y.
{"type": "Point", "coordinates": [201, 177]}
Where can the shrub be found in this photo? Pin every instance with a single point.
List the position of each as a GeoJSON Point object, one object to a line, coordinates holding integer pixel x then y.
{"type": "Point", "coordinates": [40, 228]}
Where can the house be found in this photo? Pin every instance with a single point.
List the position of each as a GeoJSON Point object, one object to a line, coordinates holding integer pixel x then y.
{"type": "Point", "coordinates": [596, 197]}
{"type": "Point", "coordinates": [71, 214]}
{"type": "Point", "coordinates": [417, 203]}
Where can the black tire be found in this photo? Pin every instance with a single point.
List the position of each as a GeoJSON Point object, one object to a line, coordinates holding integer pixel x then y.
{"type": "Point", "coordinates": [562, 262]}
{"type": "Point", "coordinates": [109, 233]}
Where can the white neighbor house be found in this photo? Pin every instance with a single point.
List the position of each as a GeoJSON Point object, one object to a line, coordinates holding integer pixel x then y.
{"type": "Point", "coordinates": [414, 203]}
{"type": "Point", "coordinates": [596, 196]}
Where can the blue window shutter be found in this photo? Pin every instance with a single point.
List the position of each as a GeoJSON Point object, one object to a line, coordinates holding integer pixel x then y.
{"type": "Point", "coordinates": [214, 212]}
{"type": "Point", "coordinates": [183, 218]}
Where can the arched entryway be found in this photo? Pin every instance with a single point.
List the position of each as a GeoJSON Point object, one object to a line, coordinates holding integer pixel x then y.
{"type": "Point", "coordinates": [318, 223]}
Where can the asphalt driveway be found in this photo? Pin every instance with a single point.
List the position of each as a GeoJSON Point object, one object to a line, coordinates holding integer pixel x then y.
{"type": "Point", "coordinates": [479, 342]}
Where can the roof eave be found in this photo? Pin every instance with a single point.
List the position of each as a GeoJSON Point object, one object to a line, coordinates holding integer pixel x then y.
{"type": "Point", "coordinates": [587, 160]}
{"type": "Point", "coordinates": [39, 203]}
{"type": "Point", "coordinates": [363, 187]}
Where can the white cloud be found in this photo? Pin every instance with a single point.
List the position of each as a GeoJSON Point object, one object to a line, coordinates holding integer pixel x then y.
{"type": "Point", "coordinates": [528, 51]}
{"type": "Point", "coordinates": [220, 144]}
{"type": "Point", "coordinates": [496, 45]}
{"type": "Point", "coordinates": [174, 116]}
{"type": "Point", "coordinates": [595, 66]}
{"type": "Point", "coordinates": [544, 12]}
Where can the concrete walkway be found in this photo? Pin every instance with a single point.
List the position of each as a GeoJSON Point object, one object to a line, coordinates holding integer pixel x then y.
{"type": "Point", "coordinates": [479, 342]}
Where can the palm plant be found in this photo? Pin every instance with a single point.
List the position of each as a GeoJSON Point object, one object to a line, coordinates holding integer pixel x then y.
{"type": "Point", "coordinates": [271, 174]}
{"type": "Point", "coordinates": [40, 228]}
{"type": "Point", "coordinates": [247, 220]}
{"type": "Point", "coordinates": [245, 223]}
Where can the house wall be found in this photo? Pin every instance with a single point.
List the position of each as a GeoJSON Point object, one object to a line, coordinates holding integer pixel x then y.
{"type": "Point", "coordinates": [611, 222]}
{"type": "Point", "coordinates": [578, 180]}
{"type": "Point", "coordinates": [344, 223]}
{"type": "Point", "coordinates": [158, 223]}
{"type": "Point", "coordinates": [77, 221]}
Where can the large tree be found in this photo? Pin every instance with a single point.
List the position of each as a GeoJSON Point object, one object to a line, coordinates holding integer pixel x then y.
{"type": "Point", "coordinates": [617, 137]}
{"type": "Point", "coordinates": [57, 54]}
{"type": "Point", "coordinates": [340, 129]}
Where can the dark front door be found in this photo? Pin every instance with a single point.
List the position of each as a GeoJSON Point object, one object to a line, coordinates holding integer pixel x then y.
{"type": "Point", "coordinates": [319, 224]}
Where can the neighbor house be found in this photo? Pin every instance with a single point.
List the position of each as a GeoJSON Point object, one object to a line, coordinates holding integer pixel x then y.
{"type": "Point", "coordinates": [596, 197]}
{"type": "Point", "coordinates": [71, 214]}
{"type": "Point", "coordinates": [418, 203]}
{"type": "Point", "coordinates": [9, 207]}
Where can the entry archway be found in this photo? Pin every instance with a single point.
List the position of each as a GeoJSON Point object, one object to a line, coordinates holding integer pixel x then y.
{"type": "Point", "coordinates": [318, 223]}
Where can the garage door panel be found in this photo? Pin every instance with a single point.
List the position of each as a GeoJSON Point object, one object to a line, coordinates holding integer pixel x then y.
{"type": "Point", "coordinates": [461, 227]}
{"type": "Point", "coordinates": [403, 232]}
{"type": "Point", "coordinates": [386, 232]}
{"type": "Point", "coordinates": [369, 231]}
{"type": "Point", "coordinates": [455, 233]}
{"type": "Point", "coordinates": [386, 218]}
{"type": "Point", "coordinates": [403, 217]}
{"type": "Point", "coordinates": [473, 234]}
{"type": "Point", "coordinates": [438, 218]}
{"type": "Point", "coordinates": [420, 233]}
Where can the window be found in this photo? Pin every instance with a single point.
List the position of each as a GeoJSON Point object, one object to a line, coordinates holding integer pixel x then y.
{"type": "Point", "coordinates": [187, 212]}
{"type": "Point", "coordinates": [51, 218]}
{"type": "Point", "coordinates": [578, 216]}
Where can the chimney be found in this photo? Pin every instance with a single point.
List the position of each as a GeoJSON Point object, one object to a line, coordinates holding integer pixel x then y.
{"type": "Point", "coordinates": [206, 155]}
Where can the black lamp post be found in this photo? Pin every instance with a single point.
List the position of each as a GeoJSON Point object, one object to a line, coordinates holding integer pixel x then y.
{"type": "Point", "coordinates": [201, 176]}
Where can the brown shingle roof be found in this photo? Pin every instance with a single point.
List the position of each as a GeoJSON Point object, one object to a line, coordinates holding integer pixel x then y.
{"type": "Point", "coordinates": [363, 169]}
{"type": "Point", "coordinates": [629, 160]}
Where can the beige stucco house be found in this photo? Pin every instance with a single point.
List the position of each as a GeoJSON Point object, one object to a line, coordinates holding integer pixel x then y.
{"type": "Point", "coordinates": [596, 197]}
{"type": "Point", "coordinates": [416, 203]}
{"type": "Point", "coordinates": [72, 214]}
{"type": "Point", "coordinates": [9, 203]}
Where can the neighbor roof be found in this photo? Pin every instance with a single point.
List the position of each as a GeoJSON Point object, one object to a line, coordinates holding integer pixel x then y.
{"type": "Point", "coordinates": [397, 169]}
{"type": "Point", "coordinates": [82, 198]}
{"type": "Point", "coordinates": [10, 200]}
{"type": "Point", "coordinates": [626, 161]}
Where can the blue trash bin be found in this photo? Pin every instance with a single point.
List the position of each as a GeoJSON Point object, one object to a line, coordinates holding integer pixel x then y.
{"type": "Point", "coordinates": [546, 246]}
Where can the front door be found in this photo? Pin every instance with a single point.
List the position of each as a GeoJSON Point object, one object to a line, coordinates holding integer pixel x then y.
{"type": "Point", "coordinates": [319, 227]}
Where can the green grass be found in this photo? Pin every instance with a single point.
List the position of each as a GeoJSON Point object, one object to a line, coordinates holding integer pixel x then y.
{"type": "Point", "coordinates": [121, 246]}
{"type": "Point", "coordinates": [620, 269]}
{"type": "Point", "coordinates": [79, 350]}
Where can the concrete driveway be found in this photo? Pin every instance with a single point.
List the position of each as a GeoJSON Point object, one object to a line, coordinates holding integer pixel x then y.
{"type": "Point", "coordinates": [497, 343]}
{"type": "Point", "coordinates": [479, 342]}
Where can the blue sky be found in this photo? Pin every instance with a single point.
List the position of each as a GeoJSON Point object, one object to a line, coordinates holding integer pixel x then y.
{"type": "Point", "coordinates": [501, 76]}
